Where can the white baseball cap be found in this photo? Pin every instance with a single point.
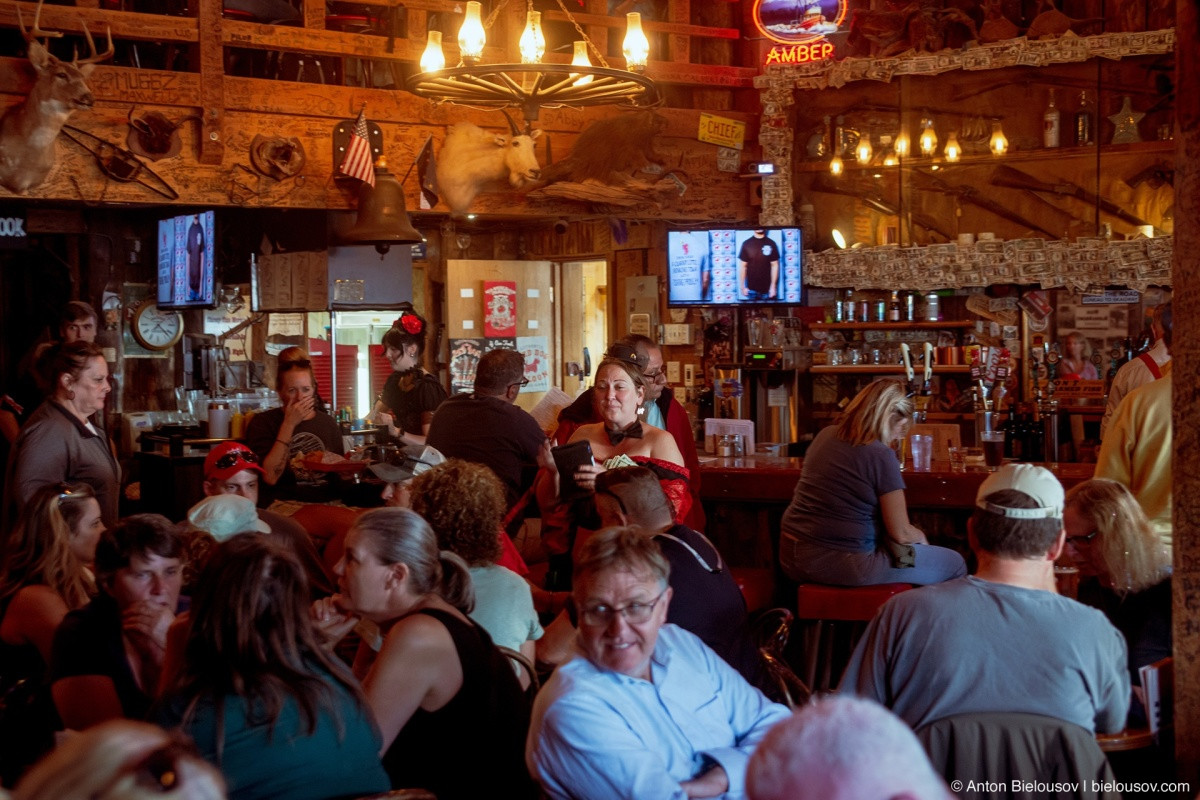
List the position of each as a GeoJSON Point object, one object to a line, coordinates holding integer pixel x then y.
{"type": "Point", "coordinates": [1037, 482]}
{"type": "Point", "coordinates": [226, 515]}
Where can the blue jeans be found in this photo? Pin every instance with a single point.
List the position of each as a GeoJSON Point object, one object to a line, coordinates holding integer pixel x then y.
{"type": "Point", "coordinates": [757, 297]}
{"type": "Point", "coordinates": [813, 563]}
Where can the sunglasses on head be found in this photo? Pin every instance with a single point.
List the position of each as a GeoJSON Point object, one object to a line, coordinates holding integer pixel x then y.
{"type": "Point", "coordinates": [234, 456]}
{"type": "Point", "coordinates": [300, 363]}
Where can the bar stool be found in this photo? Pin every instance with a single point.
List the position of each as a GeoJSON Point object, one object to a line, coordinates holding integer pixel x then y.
{"type": "Point", "coordinates": [816, 605]}
{"type": "Point", "coordinates": [757, 585]}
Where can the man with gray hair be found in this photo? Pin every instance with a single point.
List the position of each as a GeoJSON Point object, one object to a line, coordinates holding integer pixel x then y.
{"type": "Point", "coordinates": [644, 709]}
{"type": "Point", "coordinates": [1001, 639]}
{"type": "Point", "coordinates": [842, 748]}
{"type": "Point", "coordinates": [486, 427]}
{"type": "Point", "coordinates": [1149, 366]}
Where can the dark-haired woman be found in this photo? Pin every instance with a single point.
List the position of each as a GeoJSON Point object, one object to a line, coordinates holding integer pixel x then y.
{"type": "Point", "coordinates": [411, 394]}
{"type": "Point", "coordinates": [257, 692]}
{"type": "Point", "coordinates": [65, 439]}
{"type": "Point", "coordinates": [107, 656]}
{"type": "Point", "coordinates": [450, 709]}
{"type": "Point", "coordinates": [43, 576]}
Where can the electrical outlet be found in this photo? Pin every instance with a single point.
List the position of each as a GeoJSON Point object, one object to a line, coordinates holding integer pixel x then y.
{"type": "Point", "coordinates": [681, 394]}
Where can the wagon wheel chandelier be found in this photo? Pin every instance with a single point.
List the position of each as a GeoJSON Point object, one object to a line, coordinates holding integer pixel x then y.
{"type": "Point", "coordinates": [531, 84]}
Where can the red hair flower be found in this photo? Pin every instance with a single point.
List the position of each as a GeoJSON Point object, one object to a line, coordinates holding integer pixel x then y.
{"type": "Point", "coordinates": [411, 323]}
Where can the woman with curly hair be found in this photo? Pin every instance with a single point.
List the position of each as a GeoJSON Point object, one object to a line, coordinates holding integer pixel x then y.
{"type": "Point", "coordinates": [1125, 567]}
{"type": "Point", "coordinates": [257, 691]}
{"type": "Point", "coordinates": [411, 394]}
{"type": "Point", "coordinates": [43, 575]}
{"type": "Point", "coordinates": [464, 504]}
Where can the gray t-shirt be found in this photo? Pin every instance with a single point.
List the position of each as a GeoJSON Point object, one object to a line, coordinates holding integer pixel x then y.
{"type": "Point", "coordinates": [971, 645]}
{"type": "Point", "coordinates": [837, 498]}
{"type": "Point", "coordinates": [504, 606]}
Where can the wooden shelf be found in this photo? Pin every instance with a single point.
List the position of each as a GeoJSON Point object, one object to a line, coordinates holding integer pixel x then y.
{"type": "Point", "coordinates": [892, 326]}
{"type": "Point", "coordinates": [881, 369]}
{"type": "Point", "coordinates": [1011, 157]}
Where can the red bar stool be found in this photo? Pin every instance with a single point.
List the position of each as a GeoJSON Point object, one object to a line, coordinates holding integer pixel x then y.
{"type": "Point", "coordinates": [757, 585]}
{"type": "Point", "coordinates": [816, 605]}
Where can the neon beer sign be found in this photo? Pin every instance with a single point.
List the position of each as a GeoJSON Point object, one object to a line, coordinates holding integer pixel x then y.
{"type": "Point", "coordinates": [799, 28]}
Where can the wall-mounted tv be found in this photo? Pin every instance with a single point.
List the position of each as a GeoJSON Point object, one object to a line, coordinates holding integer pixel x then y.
{"type": "Point", "coordinates": [186, 268]}
{"type": "Point", "coordinates": [730, 266]}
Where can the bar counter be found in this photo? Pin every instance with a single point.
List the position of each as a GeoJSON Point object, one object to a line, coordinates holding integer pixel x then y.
{"type": "Point", "coordinates": [744, 500]}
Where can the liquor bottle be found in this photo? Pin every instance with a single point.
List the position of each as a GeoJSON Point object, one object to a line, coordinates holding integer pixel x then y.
{"type": "Point", "coordinates": [931, 307]}
{"type": "Point", "coordinates": [1083, 121]}
{"type": "Point", "coordinates": [848, 307]}
{"type": "Point", "coordinates": [1034, 435]}
{"type": "Point", "coordinates": [910, 307]}
{"type": "Point", "coordinates": [894, 307]}
{"type": "Point", "coordinates": [1051, 124]}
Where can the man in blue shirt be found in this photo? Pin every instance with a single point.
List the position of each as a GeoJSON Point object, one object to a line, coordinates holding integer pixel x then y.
{"type": "Point", "coordinates": [644, 709]}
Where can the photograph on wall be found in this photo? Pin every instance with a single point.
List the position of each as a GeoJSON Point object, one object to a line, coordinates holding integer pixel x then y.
{"type": "Point", "coordinates": [464, 358]}
{"type": "Point", "coordinates": [499, 308]}
{"type": "Point", "coordinates": [537, 362]}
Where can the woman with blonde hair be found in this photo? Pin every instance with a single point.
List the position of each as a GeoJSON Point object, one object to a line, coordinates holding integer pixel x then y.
{"type": "Point", "coordinates": [1113, 544]}
{"type": "Point", "coordinates": [847, 524]}
{"type": "Point", "coordinates": [43, 575]}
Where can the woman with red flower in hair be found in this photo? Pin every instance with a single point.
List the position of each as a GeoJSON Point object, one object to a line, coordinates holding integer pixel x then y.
{"type": "Point", "coordinates": [411, 394]}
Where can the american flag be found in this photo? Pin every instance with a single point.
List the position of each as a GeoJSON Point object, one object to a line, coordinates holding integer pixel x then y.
{"type": "Point", "coordinates": [358, 162]}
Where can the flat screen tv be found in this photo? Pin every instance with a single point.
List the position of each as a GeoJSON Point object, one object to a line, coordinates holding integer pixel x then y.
{"type": "Point", "coordinates": [734, 266]}
{"type": "Point", "coordinates": [186, 268]}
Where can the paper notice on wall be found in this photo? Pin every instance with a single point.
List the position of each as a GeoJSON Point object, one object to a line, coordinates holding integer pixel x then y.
{"type": "Point", "coordinates": [464, 358]}
{"type": "Point", "coordinates": [537, 362]}
{"type": "Point", "coordinates": [218, 320]}
{"type": "Point", "coordinates": [499, 308]}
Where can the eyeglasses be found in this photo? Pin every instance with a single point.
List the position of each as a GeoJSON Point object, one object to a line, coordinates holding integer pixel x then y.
{"type": "Point", "coordinates": [1086, 537]}
{"type": "Point", "coordinates": [654, 376]}
{"type": "Point", "coordinates": [234, 456]}
{"type": "Point", "coordinates": [634, 613]}
{"type": "Point", "coordinates": [522, 383]}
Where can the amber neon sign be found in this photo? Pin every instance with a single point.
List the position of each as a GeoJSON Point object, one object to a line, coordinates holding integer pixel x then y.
{"type": "Point", "coordinates": [799, 28]}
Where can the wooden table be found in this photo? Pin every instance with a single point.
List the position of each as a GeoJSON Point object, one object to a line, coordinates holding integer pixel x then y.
{"type": "Point", "coordinates": [744, 499]}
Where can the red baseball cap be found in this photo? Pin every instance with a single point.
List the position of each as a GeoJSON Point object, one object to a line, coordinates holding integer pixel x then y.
{"type": "Point", "coordinates": [228, 459]}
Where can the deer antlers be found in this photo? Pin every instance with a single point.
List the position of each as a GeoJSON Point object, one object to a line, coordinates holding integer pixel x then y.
{"type": "Point", "coordinates": [34, 37]}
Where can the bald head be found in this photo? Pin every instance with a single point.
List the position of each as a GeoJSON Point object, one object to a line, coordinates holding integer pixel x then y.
{"type": "Point", "coordinates": [632, 496]}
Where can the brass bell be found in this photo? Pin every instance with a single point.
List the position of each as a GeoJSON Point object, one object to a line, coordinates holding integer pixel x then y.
{"type": "Point", "coordinates": [382, 214]}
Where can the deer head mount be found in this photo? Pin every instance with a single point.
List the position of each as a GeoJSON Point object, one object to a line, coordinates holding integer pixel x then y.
{"type": "Point", "coordinates": [28, 130]}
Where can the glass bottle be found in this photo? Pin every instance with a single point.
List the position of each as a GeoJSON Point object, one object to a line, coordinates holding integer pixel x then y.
{"type": "Point", "coordinates": [1083, 121]}
{"type": "Point", "coordinates": [931, 307]}
{"type": "Point", "coordinates": [1051, 124]}
{"type": "Point", "coordinates": [894, 307]}
{"type": "Point", "coordinates": [848, 307]}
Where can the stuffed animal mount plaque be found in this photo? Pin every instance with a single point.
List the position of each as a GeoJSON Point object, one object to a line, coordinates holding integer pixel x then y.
{"type": "Point", "coordinates": [472, 158]}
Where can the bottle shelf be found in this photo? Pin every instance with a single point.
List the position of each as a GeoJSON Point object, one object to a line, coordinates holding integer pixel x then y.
{"type": "Point", "coordinates": [892, 326]}
{"type": "Point", "coordinates": [881, 369]}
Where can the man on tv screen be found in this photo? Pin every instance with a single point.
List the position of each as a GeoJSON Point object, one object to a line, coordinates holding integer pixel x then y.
{"type": "Point", "coordinates": [196, 253]}
{"type": "Point", "coordinates": [758, 267]}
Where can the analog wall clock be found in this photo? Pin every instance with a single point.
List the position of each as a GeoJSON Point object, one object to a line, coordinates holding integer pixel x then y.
{"type": "Point", "coordinates": [155, 329]}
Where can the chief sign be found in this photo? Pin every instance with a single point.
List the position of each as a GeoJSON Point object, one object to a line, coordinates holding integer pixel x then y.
{"type": "Point", "coordinates": [721, 130]}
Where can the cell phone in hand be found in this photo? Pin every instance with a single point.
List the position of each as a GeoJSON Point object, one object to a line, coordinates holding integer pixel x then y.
{"type": "Point", "coordinates": [569, 458]}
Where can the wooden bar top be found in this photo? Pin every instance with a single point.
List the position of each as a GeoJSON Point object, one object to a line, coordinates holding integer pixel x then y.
{"type": "Point", "coordinates": [773, 479]}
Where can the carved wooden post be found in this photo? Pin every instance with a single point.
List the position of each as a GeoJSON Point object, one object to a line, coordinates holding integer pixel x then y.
{"type": "Point", "coordinates": [1186, 389]}
{"type": "Point", "coordinates": [212, 85]}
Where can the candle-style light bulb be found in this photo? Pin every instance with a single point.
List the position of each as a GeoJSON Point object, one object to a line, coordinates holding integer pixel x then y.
{"type": "Point", "coordinates": [636, 46]}
{"type": "Point", "coordinates": [999, 142]}
{"type": "Point", "coordinates": [471, 36]}
{"type": "Point", "coordinates": [952, 151]}
{"type": "Point", "coordinates": [863, 150]}
{"type": "Point", "coordinates": [532, 43]}
{"type": "Point", "coordinates": [433, 58]}
{"type": "Point", "coordinates": [580, 59]}
{"type": "Point", "coordinates": [903, 144]}
{"type": "Point", "coordinates": [835, 165]}
{"type": "Point", "coordinates": [890, 160]}
{"type": "Point", "coordinates": [928, 139]}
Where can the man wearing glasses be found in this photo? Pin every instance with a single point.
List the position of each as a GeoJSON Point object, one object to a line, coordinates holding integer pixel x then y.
{"type": "Point", "coordinates": [644, 708]}
{"type": "Point", "coordinates": [233, 468]}
{"type": "Point", "coordinates": [486, 427]}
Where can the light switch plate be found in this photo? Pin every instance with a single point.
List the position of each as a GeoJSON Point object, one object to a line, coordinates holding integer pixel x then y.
{"type": "Point", "coordinates": [673, 372]}
{"type": "Point", "coordinates": [689, 374]}
{"type": "Point", "coordinates": [677, 333]}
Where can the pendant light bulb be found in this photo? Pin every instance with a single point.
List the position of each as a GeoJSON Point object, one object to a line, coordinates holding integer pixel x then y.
{"type": "Point", "coordinates": [903, 144]}
{"type": "Point", "coordinates": [835, 165]}
{"type": "Point", "coordinates": [863, 150]}
{"type": "Point", "coordinates": [636, 46]}
{"type": "Point", "coordinates": [928, 139]}
{"type": "Point", "coordinates": [999, 142]}
{"type": "Point", "coordinates": [580, 59]}
{"type": "Point", "coordinates": [532, 43]}
{"type": "Point", "coordinates": [952, 151]}
{"type": "Point", "coordinates": [471, 36]}
{"type": "Point", "coordinates": [890, 160]}
{"type": "Point", "coordinates": [433, 59]}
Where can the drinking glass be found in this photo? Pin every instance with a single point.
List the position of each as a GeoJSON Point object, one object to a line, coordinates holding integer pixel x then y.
{"type": "Point", "coordinates": [993, 449]}
{"type": "Point", "coordinates": [922, 451]}
{"type": "Point", "coordinates": [958, 459]}
{"type": "Point", "coordinates": [1066, 579]}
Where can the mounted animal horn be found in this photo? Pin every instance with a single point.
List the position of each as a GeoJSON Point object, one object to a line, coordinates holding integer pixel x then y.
{"type": "Point", "coordinates": [512, 126]}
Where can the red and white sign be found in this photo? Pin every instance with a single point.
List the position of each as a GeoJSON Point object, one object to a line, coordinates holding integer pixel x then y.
{"type": "Point", "coordinates": [499, 308]}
